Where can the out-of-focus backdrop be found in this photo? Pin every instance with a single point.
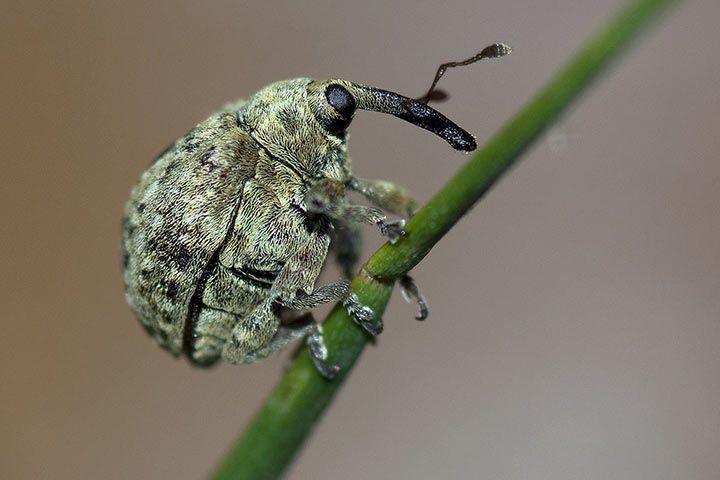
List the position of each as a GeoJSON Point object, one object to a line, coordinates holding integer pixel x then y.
{"type": "Point", "coordinates": [575, 323]}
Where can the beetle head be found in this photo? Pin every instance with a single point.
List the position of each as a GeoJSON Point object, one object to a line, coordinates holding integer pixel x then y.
{"type": "Point", "coordinates": [334, 102]}
{"type": "Point", "coordinates": [281, 118]}
{"type": "Point", "coordinates": [303, 122]}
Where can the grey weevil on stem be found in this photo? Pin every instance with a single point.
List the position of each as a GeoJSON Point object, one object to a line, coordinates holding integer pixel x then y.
{"type": "Point", "coordinates": [225, 234]}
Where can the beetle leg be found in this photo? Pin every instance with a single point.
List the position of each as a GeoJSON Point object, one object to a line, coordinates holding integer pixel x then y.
{"type": "Point", "coordinates": [333, 292]}
{"type": "Point", "coordinates": [347, 243]}
{"type": "Point", "coordinates": [392, 230]}
{"type": "Point", "coordinates": [285, 335]}
{"type": "Point", "coordinates": [351, 212]}
{"type": "Point", "coordinates": [304, 327]}
{"type": "Point", "coordinates": [386, 195]}
{"type": "Point", "coordinates": [327, 197]}
{"type": "Point", "coordinates": [296, 321]}
{"type": "Point", "coordinates": [248, 344]}
{"type": "Point", "coordinates": [363, 315]}
{"type": "Point", "coordinates": [411, 293]}
{"type": "Point", "coordinates": [250, 336]}
{"type": "Point", "coordinates": [314, 341]}
{"type": "Point", "coordinates": [318, 352]}
{"type": "Point", "coordinates": [294, 286]}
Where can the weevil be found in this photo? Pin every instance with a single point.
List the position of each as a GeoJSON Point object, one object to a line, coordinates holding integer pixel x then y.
{"type": "Point", "coordinates": [225, 234]}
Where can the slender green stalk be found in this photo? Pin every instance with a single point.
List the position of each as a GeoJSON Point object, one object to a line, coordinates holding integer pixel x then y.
{"type": "Point", "coordinates": [279, 429]}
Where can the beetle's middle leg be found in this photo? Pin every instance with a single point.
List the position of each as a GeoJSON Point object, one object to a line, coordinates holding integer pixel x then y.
{"type": "Point", "coordinates": [334, 292]}
{"type": "Point", "coordinates": [327, 197]}
{"type": "Point", "coordinates": [386, 195]}
{"type": "Point", "coordinates": [294, 287]}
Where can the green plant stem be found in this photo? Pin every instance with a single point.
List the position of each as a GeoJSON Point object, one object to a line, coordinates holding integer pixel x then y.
{"type": "Point", "coordinates": [279, 429]}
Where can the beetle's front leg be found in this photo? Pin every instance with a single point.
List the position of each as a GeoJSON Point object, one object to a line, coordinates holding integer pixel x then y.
{"type": "Point", "coordinates": [327, 197]}
{"type": "Point", "coordinates": [294, 286]}
{"type": "Point", "coordinates": [386, 195]}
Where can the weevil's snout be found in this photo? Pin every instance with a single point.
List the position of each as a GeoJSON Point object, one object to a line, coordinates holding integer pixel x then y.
{"type": "Point", "coordinates": [334, 103]}
{"type": "Point", "coordinates": [413, 111]}
{"type": "Point", "coordinates": [343, 97]}
{"type": "Point", "coordinates": [425, 117]}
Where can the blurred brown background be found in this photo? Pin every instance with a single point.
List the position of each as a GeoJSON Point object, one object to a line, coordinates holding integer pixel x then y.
{"type": "Point", "coordinates": [575, 328]}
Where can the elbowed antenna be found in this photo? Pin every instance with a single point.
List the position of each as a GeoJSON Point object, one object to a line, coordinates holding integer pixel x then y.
{"type": "Point", "coordinates": [344, 97]}
{"type": "Point", "coordinates": [496, 50]}
{"type": "Point", "coordinates": [416, 111]}
{"type": "Point", "coordinates": [410, 110]}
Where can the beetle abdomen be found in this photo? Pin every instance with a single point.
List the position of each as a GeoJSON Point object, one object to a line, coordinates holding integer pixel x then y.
{"type": "Point", "coordinates": [176, 220]}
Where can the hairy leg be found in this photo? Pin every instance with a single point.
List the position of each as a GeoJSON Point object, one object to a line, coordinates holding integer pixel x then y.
{"type": "Point", "coordinates": [334, 292]}
{"type": "Point", "coordinates": [294, 287]}
{"type": "Point", "coordinates": [411, 293]}
{"type": "Point", "coordinates": [327, 197]}
{"type": "Point", "coordinates": [252, 334]}
{"type": "Point", "coordinates": [386, 195]}
{"type": "Point", "coordinates": [305, 327]}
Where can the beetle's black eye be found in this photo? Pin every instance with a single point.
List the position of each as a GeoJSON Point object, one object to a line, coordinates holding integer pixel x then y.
{"type": "Point", "coordinates": [341, 100]}
{"type": "Point", "coordinates": [343, 103]}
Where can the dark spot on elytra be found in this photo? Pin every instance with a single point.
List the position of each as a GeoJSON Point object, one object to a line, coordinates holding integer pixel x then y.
{"type": "Point", "coordinates": [205, 159]}
{"type": "Point", "coordinates": [171, 290]}
{"type": "Point", "coordinates": [171, 167]}
{"type": "Point", "coordinates": [181, 256]}
{"type": "Point", "coordinates": [191, 146]}
{"type": "Point", "coordinates": [173, 252]}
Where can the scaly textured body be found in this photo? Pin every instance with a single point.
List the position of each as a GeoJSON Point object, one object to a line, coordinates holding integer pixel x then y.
{"type": "Point", "coordinates": [227, 231]}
